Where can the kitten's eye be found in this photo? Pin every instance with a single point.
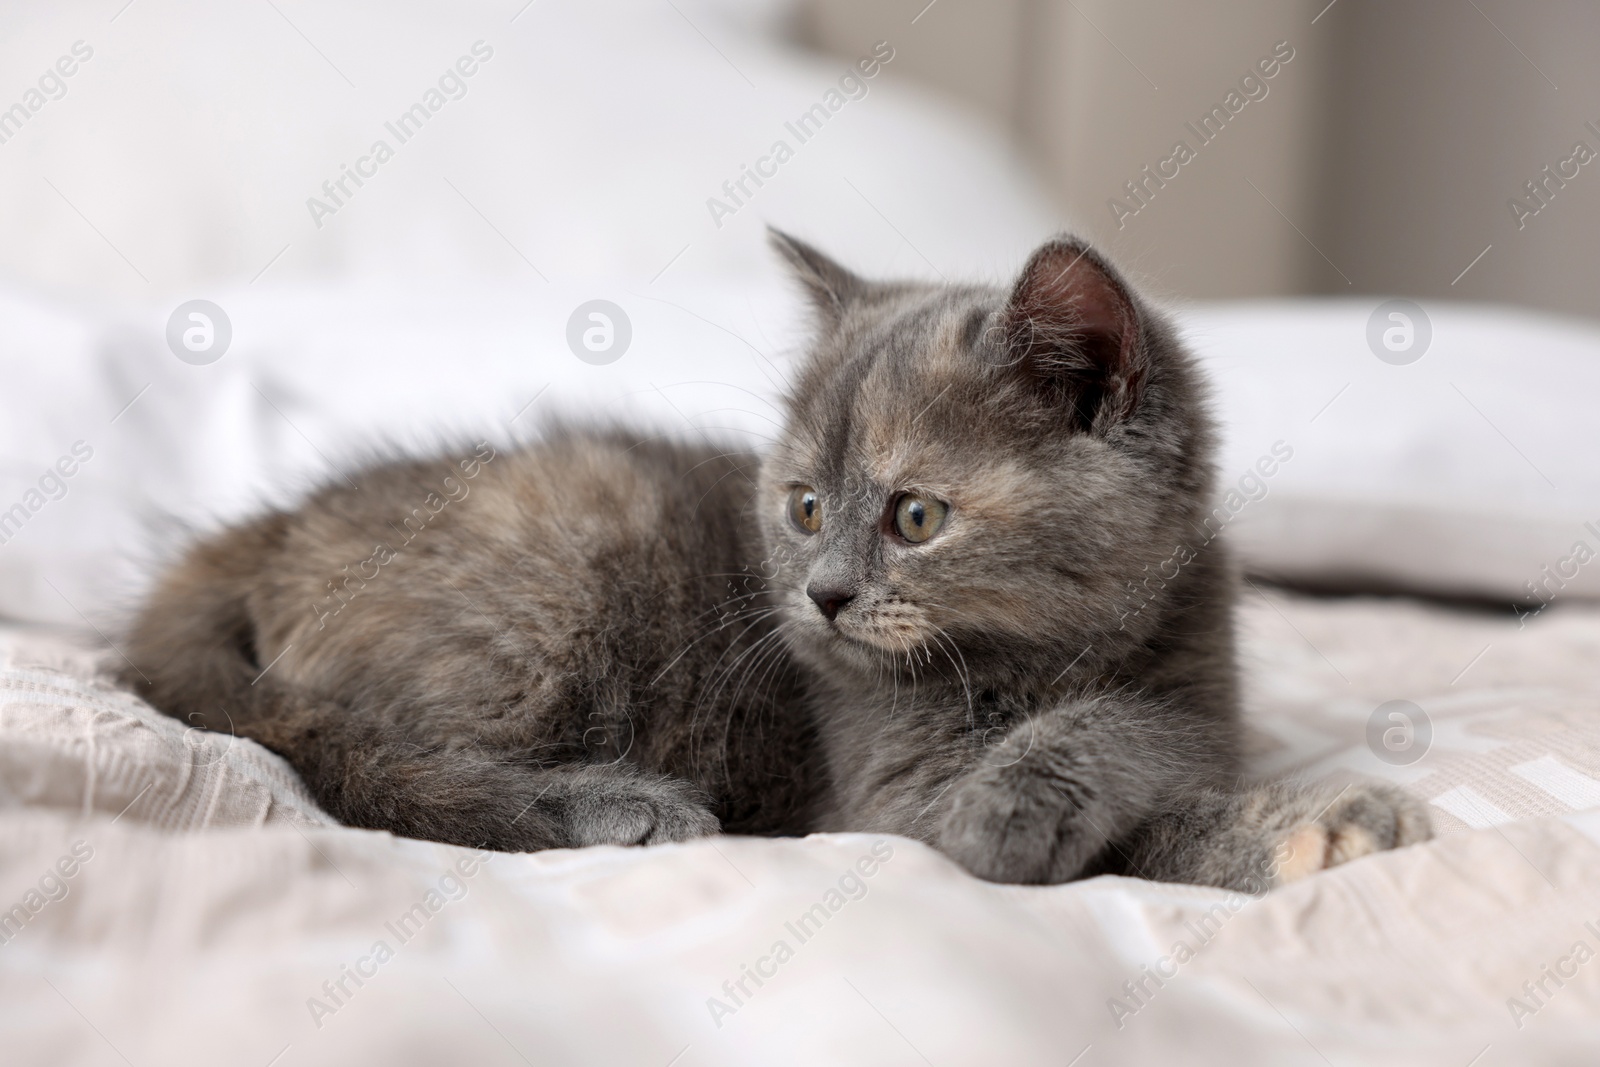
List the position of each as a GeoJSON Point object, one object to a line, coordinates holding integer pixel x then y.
{"type": "Point", "coordinates": [805, 509]}
{"type": "Point", "coordinates": [917, 518]}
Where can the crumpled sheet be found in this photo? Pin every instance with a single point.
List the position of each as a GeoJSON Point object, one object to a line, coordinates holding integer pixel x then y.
{"type": "Point", "coordinates": [220, 918]}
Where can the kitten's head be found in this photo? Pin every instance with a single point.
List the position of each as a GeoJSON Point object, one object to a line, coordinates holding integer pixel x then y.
{"type": "Point", "coordinates": [976, 475]}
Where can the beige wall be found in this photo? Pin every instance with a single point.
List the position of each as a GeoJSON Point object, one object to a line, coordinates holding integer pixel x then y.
{"type": "Point", "coordinates": [968, 48]}
{"type": "Point", "coordinates": [1380, 160]}
{"type": "Point", "coordinates": [1436, 122]}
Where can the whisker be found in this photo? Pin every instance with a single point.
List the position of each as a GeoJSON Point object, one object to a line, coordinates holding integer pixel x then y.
{"type": "Point", "coordinates": [700, 700]}
{"type": "Point", "coordinates": [771, 653]}
{"type": "Point", "coordinates": [755, 615]}
{"type": "Point", "coordinates": [713, 692]}
{"type": "Point", "coordinates": [961, 669]}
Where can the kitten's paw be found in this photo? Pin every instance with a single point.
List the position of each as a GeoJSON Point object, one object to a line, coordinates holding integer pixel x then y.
{"type": "Point", "coordinates": [1014, 828]}
{"type": "Point", "coordinates": [1362, 819]}
{"type": "Point", "coordinates": [638, 811]}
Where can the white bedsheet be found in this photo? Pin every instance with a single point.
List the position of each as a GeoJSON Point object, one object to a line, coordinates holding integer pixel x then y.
{"type": "Point", "coordinates": [210, 947]}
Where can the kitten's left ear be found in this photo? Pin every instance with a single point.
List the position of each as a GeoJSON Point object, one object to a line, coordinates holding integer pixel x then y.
{"type": "Point", "coordinates": [1073, 328]}
{"type": "Point", "coordinates": [832, 288]}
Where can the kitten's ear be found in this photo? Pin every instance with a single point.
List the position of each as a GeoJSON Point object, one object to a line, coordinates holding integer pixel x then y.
{"type": "Point", "coordinates": [1073, 328]}
{"type": "Point", "coordinates": [831, 287]}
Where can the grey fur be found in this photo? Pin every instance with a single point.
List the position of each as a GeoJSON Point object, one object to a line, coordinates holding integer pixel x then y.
{"type": "Point", "coordinates": [605, 638]}
{"type": "Point", "coordinates": [516, 675]}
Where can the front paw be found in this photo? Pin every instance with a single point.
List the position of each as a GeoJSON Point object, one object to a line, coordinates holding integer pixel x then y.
{"type": "Point", "coordinates": [1008, 825]}
{"type": "Point", "coordinates": [639, 811]}
{"type": "Point", "coordinates": [1361, 819]}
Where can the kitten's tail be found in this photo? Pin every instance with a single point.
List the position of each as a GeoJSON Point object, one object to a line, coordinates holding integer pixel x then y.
{"type": "Point", "coordinates": [191, 648]}
{"type": "Point", "coordinates": [192, 653]}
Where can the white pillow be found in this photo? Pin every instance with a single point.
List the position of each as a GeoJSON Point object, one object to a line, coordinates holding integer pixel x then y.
{"type": "Point", "coordinates": [1468, 471]}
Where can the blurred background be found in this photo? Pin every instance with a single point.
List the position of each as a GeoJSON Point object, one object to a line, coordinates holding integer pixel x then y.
{"type": "Point", "coordinates": [399, 219]}
{"type": "Point", "coordinates": [1382, 159]}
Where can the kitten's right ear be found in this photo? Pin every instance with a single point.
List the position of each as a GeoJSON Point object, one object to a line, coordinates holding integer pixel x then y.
{"type": "Point", "coordinates": [1074, 329]}
{"type": "Point", "coordinates": [832, 288]}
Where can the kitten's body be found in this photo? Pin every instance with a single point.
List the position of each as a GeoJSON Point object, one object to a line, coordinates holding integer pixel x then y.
{"type": "Point", "coordinates": [551, 651]}
{"type": "Point", "coordinates": [603, 639]}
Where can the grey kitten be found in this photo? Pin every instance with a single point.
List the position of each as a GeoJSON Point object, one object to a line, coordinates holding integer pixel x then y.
{"type": "Point", "coordinates": [975, 478]}
{"type": "Point", "coordinates": [909, 617]}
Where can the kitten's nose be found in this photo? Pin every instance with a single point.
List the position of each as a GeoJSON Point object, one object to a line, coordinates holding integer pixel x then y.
{"type": "Point", "coordinates": [829, 598]}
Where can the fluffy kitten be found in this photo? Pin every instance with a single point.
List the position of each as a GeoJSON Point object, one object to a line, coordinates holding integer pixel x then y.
{"type": "Point", "coordinates": [911, 616]}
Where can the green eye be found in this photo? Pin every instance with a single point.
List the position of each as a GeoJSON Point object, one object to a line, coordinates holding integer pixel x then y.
{"type": "Point", "coordinates": [805, 509]}
{"type": "Point", "coordinates": [917, 518]}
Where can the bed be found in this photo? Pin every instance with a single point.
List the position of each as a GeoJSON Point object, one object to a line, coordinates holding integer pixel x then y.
{"type": "Point", "coordinates": [222, 918]}
{"type": "Point", "coordinates": [1413, 609]}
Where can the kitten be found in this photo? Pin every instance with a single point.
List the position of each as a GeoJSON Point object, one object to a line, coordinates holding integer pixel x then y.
{"type": "Point", "coordinates": [909, 617]}
{"type": "Point", "coordinates": [976, 478]}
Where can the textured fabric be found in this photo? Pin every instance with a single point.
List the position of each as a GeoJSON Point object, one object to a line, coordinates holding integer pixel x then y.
{"type": "Point", "coordinates": [214, 947]}
{"type": "Point", "coordinates": [71, 741]}
{"type": "Point", "coordinates": [1513, 706]}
